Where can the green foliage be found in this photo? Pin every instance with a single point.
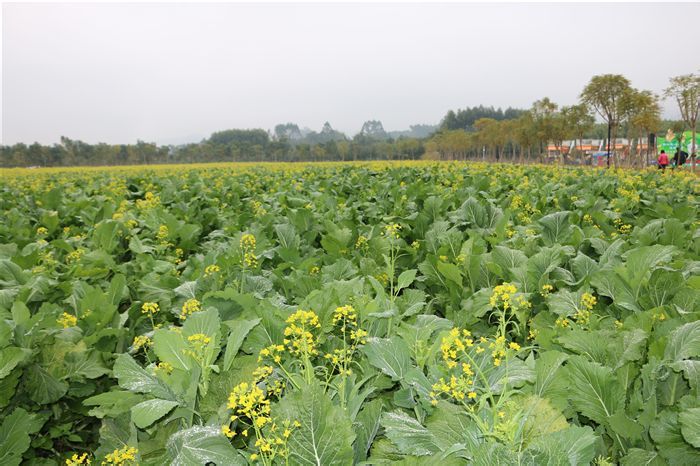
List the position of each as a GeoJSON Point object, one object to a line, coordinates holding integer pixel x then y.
{"type": "Point", "coordinates": [159, 311]}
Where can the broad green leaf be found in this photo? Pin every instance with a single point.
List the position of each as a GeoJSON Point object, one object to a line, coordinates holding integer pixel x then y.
{"type": "Point", "coordinates": [593, 389]}
{"type": "Point", "coordinates": [112, 404]}
{"type": "Point", "coordinates": [577, 445]}
{"type": "Point", "coordinates": [406, 278]}
{"type": "Point", "coordinates": [639, 457]}
{"type": "Point", "coordinates": [172, 348]}
{"type": "Point", "coordinates": [10, 357]}
{"type": "Point", "coordinates": [42, 387]}
{"type": "Point", "coordinates": [187, 290]}
{"type": "Point", "coordinates": [684, 342]}
{"type": "Point", "coordinates": [608, 283]}
{"type": "Point", "coordinates": [366, 427]}
{"type": "Point", "coordinates": [133, 377]}
{"type": "Point", "coordinates": [690, 426]}
{"type": "Point", "coordinates": [14, 435]}
{"type": "Point", "coordinates": [549, 382]}
{"type": "Point", "coordinates": [147, 412]}
{"type": "Point", "coordinates": [392, 356]}
{"type": "Point", "coordinates": [556, 228]}
{"type": "Point", "coordinates": [450, 425]}
{"type": "Point", "coordinates": [666, 432]}
{"type": "Point", "coordinates": [200, 445]}
{"type": "Point", "coordinates": [239, 330]}
{"type": "Point", "coordinates": [409, 436]}
{"type": "Point", "coordinates": [325, 436]}
{"type": "Point", "coordinates": [451, 272]}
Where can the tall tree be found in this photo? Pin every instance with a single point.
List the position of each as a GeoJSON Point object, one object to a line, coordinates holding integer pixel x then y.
{"type": "Point", "coordinates": [643, 115]}
{"type": "Point", "coordinates": [604, 94]}
{"type": "Point", "coordinates": [685, 90]}
{"type": "Point", "coordinates": [578, 121]}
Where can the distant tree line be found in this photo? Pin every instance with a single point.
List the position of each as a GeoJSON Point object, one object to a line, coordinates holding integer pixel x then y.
{"type": "Point", "coordinates": [287, 143]}
{"type": "Point", "coordinates": [484, 133]}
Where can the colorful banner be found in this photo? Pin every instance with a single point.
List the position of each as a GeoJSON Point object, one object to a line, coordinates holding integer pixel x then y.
{"type": "Point", "coordinates": [669, 142]}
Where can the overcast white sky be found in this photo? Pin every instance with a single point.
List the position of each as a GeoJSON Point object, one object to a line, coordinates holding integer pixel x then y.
{"type": "Point", "coordinates": [173, 73]}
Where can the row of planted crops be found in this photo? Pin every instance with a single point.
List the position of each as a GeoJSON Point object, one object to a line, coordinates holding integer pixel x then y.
{"type": "Point", "coordinates": [387, 313]}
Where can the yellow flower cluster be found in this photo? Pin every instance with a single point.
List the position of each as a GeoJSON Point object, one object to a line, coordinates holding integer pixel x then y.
{"type": "Point", "coordinates": [162, 235]}
{"type": "Point", "coordinates": [345, 315]}
{"type": "Point", "coordinates": [250, 260]}
{"type": "Point", "coordinates": [504, 296]}
{"type": "Point", "coordinates": [199, 339]}
{"type": "Point", "coordinates": [630, 194]}
{"type": "Point", "coordinates": [211, 270]}
{"type": "Point", "coordinates": [588, 301]}
{"type": "Point", "coordinates": [382, 278]}
{"type": "Point", "coordinates": [392, 230]}
{"type": "Point", "coordinates": [76, 460]}
{"type": "Point", "coordinates": [67, 320]}
{"type": "Point", "coordinates": [273, 352]}
{"type": "Point", "coordinates": [75, 256]}
{"type": "Point", "coordinates": [361, 242]}
{"type": "Point", "coordinates": [190, 307]}
{"type": "Point", "coordinates": [42, 231]}
{"type": "Point", "coordinates": [458, 388]}
{"type": "Point", "coordinates": [546, 289]}
{"type": "Point", "coordinates": [247, 242]}
{"type": "Point", "coordinates": [149, 202]}
{"type": "Point", "coordinates": [164, 367]}
{"type": "Point", "coordinates": [298, 337]}
{"type": "Point", "coordinates": [454, 344]}
{"type": "Point", "coordinates": [314, 270]}
{"type": "Point", "coordinates": [141, 341]}
{"type": "Point", "coordinates": [122, 457]}
{"type": "Point", "coordinates": [249, 401]}
{"type": "Point", "coordinates": [150, 308]}
{"type": "Point", "coordinates": [562, 322]}
{"type": "Point", "coordinates": [258, 209]}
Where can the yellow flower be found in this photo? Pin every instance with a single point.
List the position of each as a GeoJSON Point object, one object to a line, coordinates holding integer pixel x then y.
{"type": "Point", "coordinates": [226, 430]}
{"type": "Point", "coordinates": [546, 289]}
{"type": "Point", "coordinates": [163, 233]}
{"type": "Point", "coordinates": [247, 242]}
{"type": "Point", "coordinates": [298, 336]}
{"type": "Point", "coordinates": [67, 320]}
{"type": "Point", "coordinates": [150, 308]}
{"type": "Point", "coordinates": [392, 230]}
{"type": "Point", "coordinates": [190, 307]}
{"type": "Point", "coordinates": [588, 301]}
{"type": "Point", "coordinates": [164, 367]}
{"type": "Point", "coordinates": [199, 338]}
{"type": "Point", "coordinates": [121, 457]}
{"type": "Point", "coordinates": [471, 395]}
{"type": "Point", "coordinates": [211, 270]}
{"type": "Point", "coordinates": [141, 341]}
{"type": "Point", "coordinates": [514, 346]}
{"type": "Point", "coordinates": [76, 460]}
{"type": "Point", "coordinates": [42, 231]}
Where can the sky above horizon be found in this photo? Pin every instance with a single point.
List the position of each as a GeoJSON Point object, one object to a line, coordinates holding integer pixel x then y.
{"type": "Point", "coordinates": [175, 73]}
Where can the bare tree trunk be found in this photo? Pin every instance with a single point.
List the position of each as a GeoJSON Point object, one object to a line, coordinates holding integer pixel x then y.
{"type": "Point", "coordinates": [693, 149]}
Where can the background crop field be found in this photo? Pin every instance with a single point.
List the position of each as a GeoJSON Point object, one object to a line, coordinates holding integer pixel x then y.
{"type": "Point", "coordinates": [328, 314]}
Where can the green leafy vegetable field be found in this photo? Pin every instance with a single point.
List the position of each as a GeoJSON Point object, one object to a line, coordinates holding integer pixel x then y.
{"type": "Point", "coordinates": [337, 314]}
